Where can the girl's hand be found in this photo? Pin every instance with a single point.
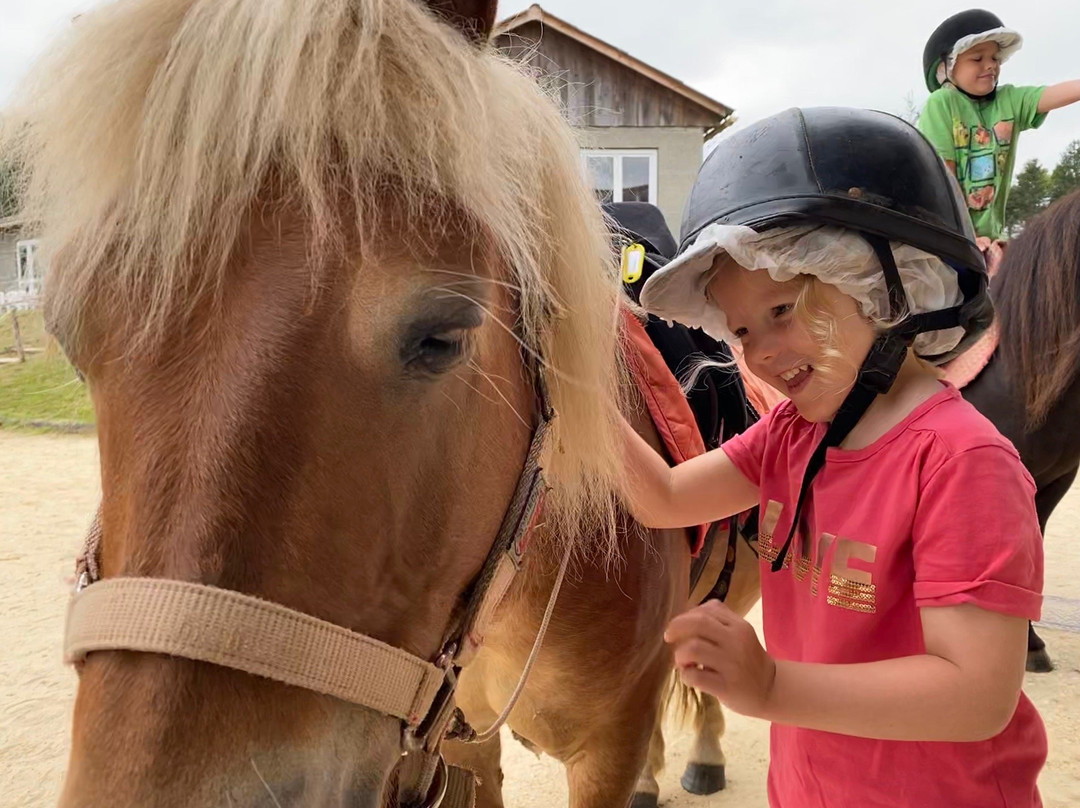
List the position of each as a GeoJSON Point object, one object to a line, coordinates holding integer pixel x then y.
{"type": "Point", "coordinates": [704, 489]}
{"type": "Point", "coordinates": [718, 652]}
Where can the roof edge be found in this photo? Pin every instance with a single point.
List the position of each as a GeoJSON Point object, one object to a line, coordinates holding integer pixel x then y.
{"type": "Point", "coordinates": [535, 13]}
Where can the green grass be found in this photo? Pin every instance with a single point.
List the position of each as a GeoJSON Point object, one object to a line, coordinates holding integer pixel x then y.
{"type": "Point", "coordinates": [31, 326]}
{"type": "Point", "coordinates": [43, 391]}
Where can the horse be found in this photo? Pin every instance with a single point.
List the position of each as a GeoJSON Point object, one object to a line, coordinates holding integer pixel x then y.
{"type": "Point", "coordinates": [602, 684]}
{"type": "Point", "coordinates": [1030, 388]}
{"type": "Point", "coordinates": [338, 289]}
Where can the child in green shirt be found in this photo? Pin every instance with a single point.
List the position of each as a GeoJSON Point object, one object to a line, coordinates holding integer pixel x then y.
{"type": "Point", "coordinates": [974, 122]}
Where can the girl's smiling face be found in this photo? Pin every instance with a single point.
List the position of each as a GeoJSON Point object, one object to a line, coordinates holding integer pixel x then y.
{"type": "Point", "coordinates": [804, 337]}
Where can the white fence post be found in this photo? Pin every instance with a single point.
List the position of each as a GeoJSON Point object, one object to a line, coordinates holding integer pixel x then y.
{"type": "Point", "coordinates": [18, 336]}
{"type": "Point", "coordinates": [18, 300]}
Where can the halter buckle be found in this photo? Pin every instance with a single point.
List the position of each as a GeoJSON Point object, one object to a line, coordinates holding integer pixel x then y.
{"type": "Point", "coordinates": [428, 733]}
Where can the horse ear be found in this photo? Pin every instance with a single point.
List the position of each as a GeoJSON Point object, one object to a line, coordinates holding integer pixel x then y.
{"type": "Point", "coordinates": [474, 18]}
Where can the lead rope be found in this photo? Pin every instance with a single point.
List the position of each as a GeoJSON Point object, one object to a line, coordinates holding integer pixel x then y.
{"type": "Point", "coordinates": [491, 731]}
{"type": "Point", "coordinates": [460, 730]}
{"type": "Point", "coordinates": [87, 564]}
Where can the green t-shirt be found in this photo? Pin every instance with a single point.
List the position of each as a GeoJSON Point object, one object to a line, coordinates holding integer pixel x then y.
{"type": "Point", "coordinates": [977, 141]}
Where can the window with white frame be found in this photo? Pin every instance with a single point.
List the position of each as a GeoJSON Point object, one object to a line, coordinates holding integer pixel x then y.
{"type": "Point", "coordinates": [28, 268]}
{"type": "Point", "coordinates": [621, 175]}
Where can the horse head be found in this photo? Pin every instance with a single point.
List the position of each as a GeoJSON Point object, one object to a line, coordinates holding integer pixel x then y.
{"type": "Point", "coordinates": [325, 266]}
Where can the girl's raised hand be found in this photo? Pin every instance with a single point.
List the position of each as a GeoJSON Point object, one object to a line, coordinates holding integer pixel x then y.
{"type": "Point", "coordinates": [718, 652]}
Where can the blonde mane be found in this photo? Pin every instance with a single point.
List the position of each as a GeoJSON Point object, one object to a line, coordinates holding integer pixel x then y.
{"type": "Point", "coordinates": [149, 131]}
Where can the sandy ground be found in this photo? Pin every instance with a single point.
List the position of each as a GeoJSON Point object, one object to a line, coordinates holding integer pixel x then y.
{"type": "Point", "coordinates": [49, 487]}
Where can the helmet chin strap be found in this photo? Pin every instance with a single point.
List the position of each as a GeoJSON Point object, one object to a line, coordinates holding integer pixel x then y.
{"type": "Point", "coordinates": [988, 97]}
{"type": "Point", "coordinates": [876, 376]}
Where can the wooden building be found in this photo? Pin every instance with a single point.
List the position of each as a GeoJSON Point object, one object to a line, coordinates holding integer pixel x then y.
{"type": "Point", "coordinates": [20, 271]}
{"type": "Point", "coordinates": [643, 131]}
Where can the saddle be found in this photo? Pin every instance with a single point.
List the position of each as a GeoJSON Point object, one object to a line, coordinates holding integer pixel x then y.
{"type": "Point", "coordinates": [714, 409]}
{"type": "Point", "coordinates": [718, 399]}
{"type": "Point", "coordinates": [965, 368]}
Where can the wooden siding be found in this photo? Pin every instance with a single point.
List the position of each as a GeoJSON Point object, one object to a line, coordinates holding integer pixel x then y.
{"type": "Point", "coordinates": [594, 89]}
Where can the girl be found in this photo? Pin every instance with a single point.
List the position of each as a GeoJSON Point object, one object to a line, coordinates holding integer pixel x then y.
{"type": "Point", "coordinates": [900, 547]}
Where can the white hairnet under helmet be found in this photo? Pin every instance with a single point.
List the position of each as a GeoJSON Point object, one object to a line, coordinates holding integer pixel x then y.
{"type": "Point", "coordinates": [1008, 41]}
{"type": "Point", "coordinates": [834, 255]}
{"type": "Point", "coordinates": [831, 173]}
{"type": "Point", "coordinates": [962, 32]}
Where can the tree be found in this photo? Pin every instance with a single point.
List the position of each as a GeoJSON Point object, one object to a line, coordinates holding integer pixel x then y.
{"type": "Point", "coordinates": [9, 200]}
{"type": "Point", "coordinates": [911, 109]}
{"type": "Point", "coordinates": [1027, 197]}
{"type": "Point", "coordinates": [1066, 176]}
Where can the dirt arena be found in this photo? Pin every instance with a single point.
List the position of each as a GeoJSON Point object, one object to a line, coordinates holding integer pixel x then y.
{"type": "Point", "coordinates": [49, 488]}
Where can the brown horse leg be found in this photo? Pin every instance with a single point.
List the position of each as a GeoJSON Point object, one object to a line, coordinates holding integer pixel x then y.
{"type": "Point", "coordinates": [705, 773]}
{"type": "Point", "coordinates": [1046, 499]}
{"type": "Point", "coordinates": [603, 774]}
{"type": "Point", "coordinates": [647, 790]}
{"type": "Point", "coordinates": [1038, 659]}
{"type": "Point", "coordinates": [484, 760]}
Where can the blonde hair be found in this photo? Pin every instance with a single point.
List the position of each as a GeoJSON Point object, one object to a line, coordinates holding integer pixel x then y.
{"type": "Point", "coordinates": [154, 128]}
{"type": "Point", "coordinates": [813, 312]}
{"type": "Point", "coordinates": [817, 317]}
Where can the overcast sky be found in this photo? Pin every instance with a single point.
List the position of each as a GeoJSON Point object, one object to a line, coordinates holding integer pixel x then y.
{"type": "Point", "coordinates": [758, 56]}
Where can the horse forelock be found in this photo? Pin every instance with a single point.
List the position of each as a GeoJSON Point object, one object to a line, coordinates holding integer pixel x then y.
{"type": "Point", "coordinates": [156, 126]}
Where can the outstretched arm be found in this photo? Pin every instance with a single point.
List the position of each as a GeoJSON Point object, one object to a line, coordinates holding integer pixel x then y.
{"type": "Point", "coordinates": [1060, 95]}
{"type": "Point", "coordinates": [704, 489]}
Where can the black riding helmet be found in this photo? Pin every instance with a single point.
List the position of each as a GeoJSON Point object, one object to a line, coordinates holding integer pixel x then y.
{"type": "Point", "coordinates": [871, 173]}
{"type": "Point", "coordinates": [866, 171]}
{"type": "Point", "coordinates": [972, 26]}
{"type": "Point", "coordinates": [642, 223]}
{"type": "Point", "coordinates": [646, 223]}
{"type": "Point", "coordinates": [718, 398]}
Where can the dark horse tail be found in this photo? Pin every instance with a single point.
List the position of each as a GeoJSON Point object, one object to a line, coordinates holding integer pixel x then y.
{"type": "Point", "coordinates": [1037, 296]}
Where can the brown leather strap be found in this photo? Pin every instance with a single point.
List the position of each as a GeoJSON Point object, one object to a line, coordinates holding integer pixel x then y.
{"type": "Point", "coordinates": [249, 634]}
{"type": "Point", "coordinates": [714, 565]}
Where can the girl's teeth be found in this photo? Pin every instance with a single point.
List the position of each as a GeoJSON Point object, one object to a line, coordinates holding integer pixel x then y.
{"type": "Point", "coordinates": [788, 375]}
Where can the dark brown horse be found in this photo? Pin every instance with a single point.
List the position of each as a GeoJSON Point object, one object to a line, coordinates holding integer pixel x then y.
{"type": "Point", "coordinates": [311, 258]}
{"type": "Point", "coordinates": [1031, 387]}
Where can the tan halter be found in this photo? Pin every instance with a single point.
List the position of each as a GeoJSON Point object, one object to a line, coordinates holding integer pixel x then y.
{"type": "Point", "coordinates": [246, 633]}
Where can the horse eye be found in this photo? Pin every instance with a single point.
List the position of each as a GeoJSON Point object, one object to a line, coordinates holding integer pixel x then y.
{"type": "Point", "coordinates": [446, 346]}
{"type": "Point", "coordinates": [436, 352]}
{"type": "Point", "coordinates": [438, 334]}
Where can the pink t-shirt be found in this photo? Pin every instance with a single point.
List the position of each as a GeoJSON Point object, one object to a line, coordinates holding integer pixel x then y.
{"type": "Point", "coordinates": [936, 512]}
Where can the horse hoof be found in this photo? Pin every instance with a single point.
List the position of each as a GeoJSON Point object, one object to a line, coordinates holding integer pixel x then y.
{"type": "Point", "coordinates": [644, 800]}
{"type": "Point", "coordinates": [1039, 662]}
{"type": "Point", "coordinates": [703, 778]}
